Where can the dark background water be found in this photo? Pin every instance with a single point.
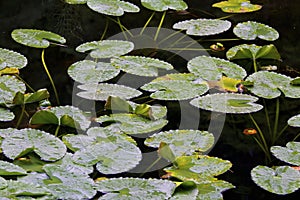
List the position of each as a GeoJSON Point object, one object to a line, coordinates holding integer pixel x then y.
{"type": "Point", "coordinates": [77, 23]}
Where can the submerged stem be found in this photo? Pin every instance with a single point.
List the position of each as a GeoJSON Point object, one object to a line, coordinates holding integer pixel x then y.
{"type": "Point", "coordinates": [254, 64]}
{"type": "Point", "coordinates": [57, 130]}
{"type": "Point", "coordinates": [267, 118]}
{"type": "Point", "coordinates": [105, 30]}
{"type": "Point", "coordinates": [154, 163]}
{"type": "Point", "coordinates": [160, 25]}
{"type": "Point", "coordinates": [21, 116]}
{"type": "Point", "coordinates": [27, 85]}
{"type": "Point", "coordinates": [146, 24]}
{"type": "Point", "coordinates": [276, 121]}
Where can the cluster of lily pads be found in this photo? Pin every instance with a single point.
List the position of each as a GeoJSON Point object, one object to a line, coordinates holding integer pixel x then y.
{"type": "Point", "coordinates": [65, 164]}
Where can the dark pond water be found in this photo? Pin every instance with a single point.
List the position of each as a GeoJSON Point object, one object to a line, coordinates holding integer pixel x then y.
{"type": "Point", "coordinates": [79, 24]}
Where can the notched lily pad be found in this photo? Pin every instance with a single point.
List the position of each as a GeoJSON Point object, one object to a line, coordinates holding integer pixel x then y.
{"type": "Point", "coordinates": [203, 27]}
{"type": "Point", "coordinates": [289, 154]}
{"type": "Point", "coordinates": [237, 6]}
{"type": "Point", "coordinates": [9, 86]}
{"type": "Point", "coordinates": [281, 180]}
{"type": "Point", "coordinates": [182, 142]}
{"type": "Point", "coordinates": [106, 48]}
{"type": "Point", "coordinates": [135, 188]}
{"type": "Point", "coordinates": [251, 30]}
{"type": "Point", "coordinates": [227, 103]}
{"type": "Point", "coordinates": [294, 121]}
{"type": "Point", "coordinates": [9, 58]}
{"type": "Point", "coordinates": [36, 38]}
{"type": "Point", "coordinates": [87, 71]}
{"type": "Point", "coordinates": [159, 5]}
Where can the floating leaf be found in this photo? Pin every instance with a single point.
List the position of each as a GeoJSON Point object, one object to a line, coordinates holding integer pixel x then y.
{"type": "Point", "coordinates": [9, 58]}
{"type": "Point", "coordinates": [106, 48]}
{"type": "Point", "coordinates": [210, 68]}
{"type": "Point", "coordinates": [203, 27]}
{"type": "Point", "coordinates": [135, 188]}
{"type": "Point", "coordinates": [30, 162]}
{"type": "Point", "coordinates": [9, 86]}
{"type": "Point", "coordinates": [102, 91]}
{"type": "Point", "coordinates": [62, 115]}
{"type": "Point", "coordinates": [36, 38]}
{"type": "Point", "coordinates": [182, 141]}
{"type": "Point", "coordinates": [111, 151]}
{"type": "Point", "coordinates": [112, 7]}
{"type": "Point", "coordinates": [289, 154]}
{"type": "Point", "coordinates": [76, 1]}
{"type": "Point", "coordinates": [227, 103]}
{"type": "Point", "coordinates": [294, 121]}
{"type": "Point", "coordinates": [177, 76]}
{"type": "Point", "coordinates": [6, 115]}
{"type": "Point", "coordinates": [252, 51]}
{"type": "Point", "coordinates": [87, 71]}
{"type": "Point", "coordinates": [159, 5]}
{"type": "Point", "coordinates": [175, 89]}
{"type": "Point", "coordinates": [132, 123]}
{"type": "Point", "coordinates": [281, 180]}
{"type": "Point", "coordinates": [141, 66]}
{"type": "Point", "coordinates": [270, 85]}
{"type": "Point", "coordinates": [21, 99]}
{"type": "Point", "coordinates": [212, 190]}
{"type": "Point", "coordinates": [9, 169]}
{"type": "Point", "coordinates": [251, 30]}
{"type": "Point", "coordinates": [295, 81]}
{"type": "Point", "coordinates": [198, 168]}
{"type": "Point", "coordinates": [237, 6]}
{"type": "Point", "coordinates": [21, 142]}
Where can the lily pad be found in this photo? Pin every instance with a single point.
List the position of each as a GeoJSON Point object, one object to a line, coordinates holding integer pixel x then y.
{"type": "Point", "coordinates": [9, 169]}
{"type": "Point", "coordinates": [252, 51]}
{"type": "Point", "coordinates": [227, 103]}
{"type": "Point", "coordinates": [289, 154]}
{"type": "Point", "coordinates": [106, 48]}
{"type": "Point", "coordinates": [203, 27]}
{"type": "Point", "coordinates": [36, 38]}
{"type": "Point", "coordinates": [135, 188]}
{"type": "Point", "coordinates": [111, 151]}
{"type": "Point", "coordinates": [62, 115]}
{"type": "Point", "coordinates": [21, 142]}
{"type": "Point", "coordinates": [112, 7]}
{"type": "Point", "coordinates": [198, 168]}
{"type": "Point", "coordinates": [251, 30]}
{"type": "Point", "coordinates": [6, 115]}
{"type": "Point", "coordinates": [281, 180]}
{"type": "Point", "coordinates": [76, 1]}
{"type": "Point", "coordinates": [87, 71]}
{"type": "Point", "coordinates": [9, 58]}
{"type": "Point", "coordinates": [294, 121]}
{"type": "Point", "coordinates": [162, 5]}
{"type": "Point", "coordinates": [9, 86]}
{"type": "Point", "coordinates": [182, 142]}
{"type": "Point", "coordinates": [210, 68]}
{"type": "Point", "coordinates": [102, 91]}
{"type": "Point", "coordinates": [237, 6]}
{"type": "Point", "coordinates": [270, 85]}
{"type": "Point", "coordinates": [132, 123]}
{"type": "Point", "coordinates": [141, 66]}
{"type": "Point", "coordinates": [40, 95]}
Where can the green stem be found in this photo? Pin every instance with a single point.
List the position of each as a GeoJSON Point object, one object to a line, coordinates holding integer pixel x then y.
{"type": "Point", "coordinates": [21, 116]}
{"type": "Point", "coordinates": [146, 24]}
{"type": "Point", "coordinates": [30, 88]}
{"type": "Point", "coordinates": [296, 136]}
{"type": "Point", "coordinates": [254, 64]}
{"type": "Point", "coordinates": [160, 25]}
{"type": "Point", "coordinates": [105, 30]}
{"type": "Point", "coordinates": [148, 168]}
{"type": "Point", "coordinates": [280, 133]}
{"type": "Point", "coordinates": [57, 130]}
{"type": "Point", "coordinates": [49, 76]}
{"type": "Point", "coordinates": [121, 26]}
{"type": "Point", "coordinates": [171, 35]}
{"type": "Point", "coordinates": [267, 117]}
{"type": "Point", "coordinates": [276, 121]}
{"type": "Point", "coordinates": [186, 49]}
{"type": "Point", "coordinates": [262, 147]}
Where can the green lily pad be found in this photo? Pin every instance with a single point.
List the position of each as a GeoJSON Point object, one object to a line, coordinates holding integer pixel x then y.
{"type": "Point", "coordinates": [182, 142]}
{"type": "Point", "coordinates": [106, 48]}
{"type": "Point", "coordinates": [87, 71]}
{"type": "Point", "coordinates": [135, 188]}
{"type": "Point", "coordinates": [9, 58]}
{"type": "Point", "coordinates": [111, 151]}
{"type": "Point", "coordinates": [251, 30]}
{"type": "Point", "coordinates": [132, 123]}
{"type": "Point", "coordinates": [141, 66]}
{"type": "Point", "coordinates": [295, 81]}
{"type": "Point", "coordinates": [294, 121]}
{"type": "Point", "coordinates": [177, 76]}
{"type": "Point", "coordinates": [62, 115]}
{"type": "Point", "coordinates": [198, 168]}
{"type": "Point", "coordinates": [162, 5]}
{"type": "Point", "coordinates": [112, 7]}
{"type": "Point", "coordinates": [40, 95]}
{"type": "Point", "coordinates": [203, 27]}
{"type": "Point", "coordinates": [76, 1]}
{"type": "Point", "coordinates": [9, 86]}
{"type": "Point", "coordinates": [21, 142]}
{"type": "Point", "coordinates": [270, 85]}
{"type": "Point", "coordinates": [237, 6]}
{"type": "Point", "coordinates": [289, 154]}
{"type": "Point", "coordinates": [36, 38]}
{"type": "Point", "coordinates": [102, 91]}
{"type": "Point", "coordinates": [210, 68]}
{"type": "Point", "coordinates": [6, 115]}
{"type": "Point", "coordinates": [9, 169]}
{"type": "Point", "coordinates": [281, 180]}
{"type": "Point", "coordinates": [227, 103]}
{"type": "Point", "coordinates": [252, 51]}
